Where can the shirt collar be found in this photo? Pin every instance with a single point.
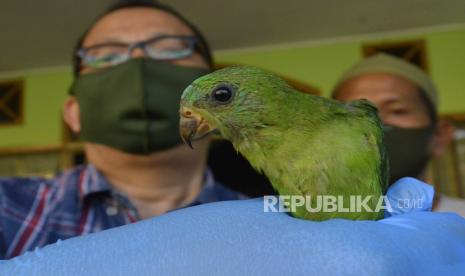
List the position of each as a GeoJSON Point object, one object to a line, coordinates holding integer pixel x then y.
{"type": "Point", "coordinates": [91, 181]}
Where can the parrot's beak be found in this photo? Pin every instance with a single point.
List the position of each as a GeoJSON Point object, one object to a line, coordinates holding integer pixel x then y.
{"type": "Point", "coordinates": [192, 126]}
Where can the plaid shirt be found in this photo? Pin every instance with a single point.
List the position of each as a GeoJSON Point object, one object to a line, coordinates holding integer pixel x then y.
{"type": "Point", "coordinates": [35, 212]}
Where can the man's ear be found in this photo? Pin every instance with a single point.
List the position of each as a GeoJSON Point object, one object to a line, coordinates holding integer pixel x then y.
{"type": "Point", "coordinates": [443, 136]}
{"type": "Point", "coordinates": [71, 114]}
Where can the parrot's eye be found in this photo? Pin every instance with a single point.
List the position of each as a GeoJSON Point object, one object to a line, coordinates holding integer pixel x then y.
{"type": "Point", "coordinates": [222, 94]}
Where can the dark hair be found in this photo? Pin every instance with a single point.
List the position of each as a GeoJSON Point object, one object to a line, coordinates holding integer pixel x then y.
{"type": "Point", "coordinates": [202, 47]}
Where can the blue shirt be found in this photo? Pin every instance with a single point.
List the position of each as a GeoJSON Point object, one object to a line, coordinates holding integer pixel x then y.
{"type": "Point", "coordinates": [35, 212]}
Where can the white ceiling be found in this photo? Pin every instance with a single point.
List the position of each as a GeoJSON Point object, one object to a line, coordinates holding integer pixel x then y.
{"type": "Point", "coordinates": [35, 34]}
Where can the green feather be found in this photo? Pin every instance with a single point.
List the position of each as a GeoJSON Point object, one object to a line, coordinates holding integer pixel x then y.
{"type": "Point", "coordinates": [304, 144]}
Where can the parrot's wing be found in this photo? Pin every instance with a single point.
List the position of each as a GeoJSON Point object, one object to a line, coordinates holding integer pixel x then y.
{"type": "Point", "coordinates": [369, 111]}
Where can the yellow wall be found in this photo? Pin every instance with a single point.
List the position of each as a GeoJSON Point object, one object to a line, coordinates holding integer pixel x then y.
{"type": "Point", "coordinates": [447, 65]}
{"type": "Point", "coordinates": [317, 65]}
{"type": "Point", "coordinates": [43, 99]}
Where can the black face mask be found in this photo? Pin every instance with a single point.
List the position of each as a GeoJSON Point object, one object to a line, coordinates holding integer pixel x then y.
{"type": "Point", "coordinates": [407, 150]}
{"type": "Point", "coordinates": [134, 106]}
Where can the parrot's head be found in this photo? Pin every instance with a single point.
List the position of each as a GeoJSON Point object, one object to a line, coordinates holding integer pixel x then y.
{"type": "Point", "coordinates": [237, 101]}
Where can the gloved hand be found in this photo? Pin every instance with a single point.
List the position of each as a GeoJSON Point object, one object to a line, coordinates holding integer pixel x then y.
{"type": "Point", "coordinates": [409, 195]}
{"type": "Point", "coordinates": [238, 237]}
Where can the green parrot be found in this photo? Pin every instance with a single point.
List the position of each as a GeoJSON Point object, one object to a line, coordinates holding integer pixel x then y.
{"type": "Point", "coordinates": [306, 145]}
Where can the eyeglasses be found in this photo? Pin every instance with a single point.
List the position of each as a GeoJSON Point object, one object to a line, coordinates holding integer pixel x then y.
{"type": "Point", "coordinates": [164, 47]}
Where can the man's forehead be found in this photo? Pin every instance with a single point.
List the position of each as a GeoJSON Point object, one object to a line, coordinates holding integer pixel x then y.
{"type": "Point", "coordinates": [379, 86]}
{"type": "Point", "coordinates": [134, 24]}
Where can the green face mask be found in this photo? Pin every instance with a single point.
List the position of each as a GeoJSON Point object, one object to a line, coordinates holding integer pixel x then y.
{"type": "Point", "coordinates": [134, 106]}
{"type": "Point", "coordinates": [407, 151]}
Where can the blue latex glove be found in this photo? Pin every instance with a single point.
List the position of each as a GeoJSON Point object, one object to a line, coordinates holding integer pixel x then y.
{"type": "Point", "coordinates": [409, 195]}
{"type": "Point", "coordinates": [238, 237]}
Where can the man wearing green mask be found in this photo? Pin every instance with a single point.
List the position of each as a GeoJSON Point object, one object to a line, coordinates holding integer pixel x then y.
{"type": "Point", "coordinates": [407, 101]}
{"type": "Point", "coordinates": [130, 67]}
